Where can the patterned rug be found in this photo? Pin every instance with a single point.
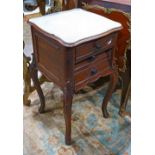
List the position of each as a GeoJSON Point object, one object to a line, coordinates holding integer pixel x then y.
{"type": "Point", "coordinates": [91, 133]}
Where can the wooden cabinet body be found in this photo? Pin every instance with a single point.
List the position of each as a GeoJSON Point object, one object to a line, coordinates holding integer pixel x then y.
{"type": "Point", "coordinates": [78, 65]}
{"type": "Point", "coordinates": [72, 67]}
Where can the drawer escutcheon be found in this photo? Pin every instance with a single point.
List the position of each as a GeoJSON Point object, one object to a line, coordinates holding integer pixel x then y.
{"type": "Point", "coordinates": [93, 71]}
{"type": "Point", "coordinates": [98, 46]}
{"type": "Point", "coordinates": [91, 58]}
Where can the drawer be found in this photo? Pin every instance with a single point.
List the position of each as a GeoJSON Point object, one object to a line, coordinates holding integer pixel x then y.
{"type": "Point", "coordinates": [93, 59]}
{"type": "Point", "coordinates": [94, 47]}
{"type": "Point", "coordinates": [86, 73]}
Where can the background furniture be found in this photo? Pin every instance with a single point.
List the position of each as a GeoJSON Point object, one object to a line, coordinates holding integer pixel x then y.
{"type": "Point", "coordinates": [27, 58]}
{"type": "Point", "coordinates": [126, 88]}
{"type": "Point", "coordinates": [123, 5]}
{"type": "Point", "coordinates": [28, 87]}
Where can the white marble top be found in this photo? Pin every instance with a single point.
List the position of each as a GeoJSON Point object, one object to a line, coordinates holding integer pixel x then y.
{"type": "Point", "coordinates": [76, 25]}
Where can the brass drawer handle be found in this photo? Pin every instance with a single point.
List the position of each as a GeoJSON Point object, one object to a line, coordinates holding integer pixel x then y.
{"type": "Point", "coordinates": [93, 71]}
{"type": "Point", "coordinates": [91, 58]}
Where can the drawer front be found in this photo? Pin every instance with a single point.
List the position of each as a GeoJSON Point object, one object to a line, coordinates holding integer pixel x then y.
{"type": "Point", "coordinates": [95, 47]}
{"type": "Point", "coordinates": [93, 59]}
{"type": "Point", "coordinates": [86, 72]}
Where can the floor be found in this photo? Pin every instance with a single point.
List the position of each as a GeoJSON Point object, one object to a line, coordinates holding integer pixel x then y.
{"type": "Point", "coordinates": [91, 133]}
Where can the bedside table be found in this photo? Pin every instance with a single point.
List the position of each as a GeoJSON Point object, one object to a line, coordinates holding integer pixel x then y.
{"type": "Point", "coordinates": [73, 48]}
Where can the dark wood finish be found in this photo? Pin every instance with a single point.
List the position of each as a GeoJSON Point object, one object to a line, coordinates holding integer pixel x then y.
{"type": "Point", "coordinates": [27, 80]}
{"type": "Point", "coordinates": [69, 4]}
{"type": "Point", "coordinates": [67, 107]}
{"type": "Point", "coordinates": [113, 81]}
{"type": "Point", "coordinates": [42, 4]}
{"type": "Point", "coordinates": [94, 47]}
{"type": "Point", "coordinates": [59, 64]}
{"type": "Point", "coordinates": [126, 88]}
{"type": "Point", "coordinates": [34, 76]}
{"type": "Point", "coordinates": [73, 66]}
{"type": "Point", "coordinates": [100, 56]}
{"type": "Point", "coordinates": [92, 69]}
{"type": "Point", "coordinates": [124, 99]}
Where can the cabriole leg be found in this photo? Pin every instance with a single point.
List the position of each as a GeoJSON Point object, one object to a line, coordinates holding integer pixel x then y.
{"type": "Point", "coordinates": [112, 84]}
{"type": "Point", "coordinates": [124, 98]}
{"type": "Point", "coordinates": [34, 76]}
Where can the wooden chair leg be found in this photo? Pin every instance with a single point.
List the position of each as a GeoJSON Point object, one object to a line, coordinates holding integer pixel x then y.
{"type": "Point", "coordinates": [124, 98]}
{"type": "Point", "coordinates": [112, 84]}
{"type": "Point", "coordinates": [27, 91]}
{"type": "Point", "coordinates": [42, 5]}
{"type": "Point", "coordinates": [126, 85]}
{"type": "Point", "coordinates": [27, 80]}
{"type": "Point", "coordinates": [34, 76]}
{"type": "Point", "coordinates": [67, 107]}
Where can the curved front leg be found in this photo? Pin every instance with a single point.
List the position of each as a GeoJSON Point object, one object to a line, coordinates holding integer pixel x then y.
{"type": "Point", "coordinates": [34, 76]}
{"type": "Point", "coordinates": [67, 107]}
{"type": "Point", "coordinates": [112, 84]}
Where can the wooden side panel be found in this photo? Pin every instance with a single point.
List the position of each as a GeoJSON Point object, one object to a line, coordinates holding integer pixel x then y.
{"type": "Point", "coordinates": [50, 57]}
